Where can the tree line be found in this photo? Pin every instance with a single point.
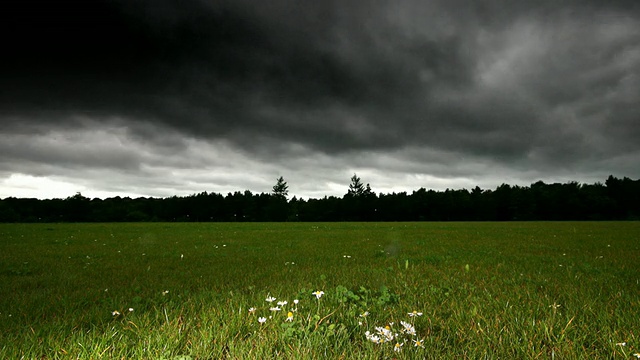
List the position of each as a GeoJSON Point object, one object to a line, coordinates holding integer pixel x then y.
{"type": "Point", "coordinates": [616, 199]}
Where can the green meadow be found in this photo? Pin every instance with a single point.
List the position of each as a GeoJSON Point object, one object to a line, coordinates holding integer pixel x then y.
{"type": "Point", "coordinates": [534, 290]}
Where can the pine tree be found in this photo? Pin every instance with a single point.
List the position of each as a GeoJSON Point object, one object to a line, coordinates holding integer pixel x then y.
{"type": "Point", "coordinates": [356, 188]}
{"type": "Point", "coordinates": [281, 189]}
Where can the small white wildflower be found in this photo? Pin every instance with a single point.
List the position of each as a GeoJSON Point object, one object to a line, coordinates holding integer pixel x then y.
{"type": "Point", "coordinates": [318, 294]}
{"type": "Point", "coordinates": [398, 347]}
{"type": "Point", "coordinates": [282, 303]}
{"type": "Point", "coordinates": [364, 314]}
{"type": "Point", "coordinates": [408, 328]}
{"type": "Point", "coordinates": [275, 309]}
{"type": "Point", "coordinates": [270, 299]}
{"type": "Point", "coordinates": [637, 355]}
{"type": "Point", "coordinates": [262, 320]}
{"type": "Point", "coordinates": [372, 337]}
{"type": "Point", "coordinates": [296, 301]}
{"type": "Point", "coordinates": [252, 310]}
{"type": "Point", "coordinates": [289, 316]}
{"type": "Point", "coordinates": [621, 344]}
{"type": "Point", "coordinates": [165, 292]}
{"type": "Point", "coordinates": [115, 313]}
{"type": "Point", "coordinates": [414, 313]}
{"type": "Point", "coordinates": [130, 309]}
{"type": "Point", "coordinates": [555, 306]}
{"type": "Point", "coordinates": [385, 333]}
{"type": "Point", "coordinates": [418, 343]}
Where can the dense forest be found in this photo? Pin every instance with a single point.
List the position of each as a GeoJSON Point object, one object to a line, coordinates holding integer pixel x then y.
{"type": "Point", "coordinates": [616, 199]}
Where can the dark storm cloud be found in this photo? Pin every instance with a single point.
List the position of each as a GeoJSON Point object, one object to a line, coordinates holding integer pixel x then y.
{"type": "Point", "coordinates": [203, 61]}
{"type": "Point", "coordinates": [527, 84]}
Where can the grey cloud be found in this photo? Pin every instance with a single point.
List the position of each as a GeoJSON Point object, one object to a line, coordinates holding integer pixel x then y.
{"type": "Point", "coordinates": [67, 150]}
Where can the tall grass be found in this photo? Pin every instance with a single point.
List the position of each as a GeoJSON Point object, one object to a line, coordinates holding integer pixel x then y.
{"type": "Point", "coordinates": [184, 291]}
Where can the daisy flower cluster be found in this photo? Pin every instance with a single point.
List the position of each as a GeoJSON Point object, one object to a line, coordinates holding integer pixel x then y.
{"type": "Point", "coordinates": [391, 336]}
{"type": "Point", "coordinates": [116, 313]}
{"type": "Point", "coordinates": [398, 336]}
{"type": "Point", "coordinates": [280, 306]}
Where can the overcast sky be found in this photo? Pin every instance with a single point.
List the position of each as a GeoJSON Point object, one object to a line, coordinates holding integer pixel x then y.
{"type": "Point", "coordinates": [161, 98]}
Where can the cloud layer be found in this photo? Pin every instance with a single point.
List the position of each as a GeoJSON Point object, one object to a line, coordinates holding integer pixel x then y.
{"type": "Point", "coordinates": [167, 97]}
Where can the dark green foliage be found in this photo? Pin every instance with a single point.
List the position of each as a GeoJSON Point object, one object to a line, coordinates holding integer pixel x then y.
{"type": "Point", "coordinates": [617, 199]}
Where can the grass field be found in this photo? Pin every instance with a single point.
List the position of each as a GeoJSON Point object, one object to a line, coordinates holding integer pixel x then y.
{"type": "Point", "coordinates": [198, 291]}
